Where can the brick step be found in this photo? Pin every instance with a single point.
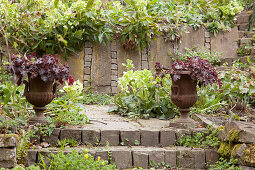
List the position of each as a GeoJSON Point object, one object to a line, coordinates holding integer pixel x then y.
{"type": "Point", "coordinates": [129, 157]}
{"type": "Point", "coordinates": [119, 137]}
{"type": "Point", "coordinates": [246, 34]}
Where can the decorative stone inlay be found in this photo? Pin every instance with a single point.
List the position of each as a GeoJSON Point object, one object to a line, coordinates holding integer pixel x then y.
{"type": "Point", "coordinates": [114, 68]}
{"type": "Point", "coordinates": [88, 50]}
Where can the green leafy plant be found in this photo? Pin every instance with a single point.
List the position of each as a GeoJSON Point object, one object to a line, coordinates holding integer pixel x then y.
{"type": "Point", "coordinates": [67, 142]}
{"type": "Point", "coordinates": [76, 160]}
{"type": "Point", "coordinates": [207, 139]}
{"type": "Point", "coordinates": [66, 109]}
{"type": "Point", "coordinates": [225, 164]}
{"type": "Point", "coordinates": [141, 96]}
{"type": "Point", "coordinates": [88, 97]}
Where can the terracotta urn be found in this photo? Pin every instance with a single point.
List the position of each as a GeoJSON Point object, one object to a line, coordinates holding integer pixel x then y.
{"type": "Point", "coordinates": [39, 94]}
{"type": "Point", "coordinates": [184, 95]}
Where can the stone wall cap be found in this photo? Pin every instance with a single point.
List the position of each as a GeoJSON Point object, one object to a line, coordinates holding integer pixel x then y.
{"type": "Point", "coordinates": [8, 140]}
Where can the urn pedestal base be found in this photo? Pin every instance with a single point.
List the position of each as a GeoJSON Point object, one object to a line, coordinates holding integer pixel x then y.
{"type": "Point", "coordinates": [184, 121]}
{"type": "Point", "coordinates": [39, 117]}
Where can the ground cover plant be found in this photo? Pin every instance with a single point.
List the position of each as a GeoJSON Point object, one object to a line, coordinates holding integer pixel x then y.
{"type": "Point", "coordinates": [236, 93]}
{"type": "Point", "coordinates": [62, 26]}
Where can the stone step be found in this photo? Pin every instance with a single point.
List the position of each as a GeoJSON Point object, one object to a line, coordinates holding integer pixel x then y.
{"type": "Point", "coordinates": [243, 18]}
{"type": "Point", "coordinates": [243, 27]}
{"type": "Point", "coordinates": [118, 137]}
{"type": "Point", "coordinates": [244, 41]}
{"type": "Point", "coordinates": [246, 34]}
{"type": "Point", "coordinates": [129, 157]}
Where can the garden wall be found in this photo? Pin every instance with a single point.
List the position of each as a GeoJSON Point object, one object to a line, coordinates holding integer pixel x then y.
{"type": "Point", "coordinates": [99, 65]}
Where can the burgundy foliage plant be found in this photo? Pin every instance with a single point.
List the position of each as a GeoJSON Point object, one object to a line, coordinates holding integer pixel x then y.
{"type": "Point", "coordinates": [199, 70]}
{"type": "Point", "coordinates": [46, 67]}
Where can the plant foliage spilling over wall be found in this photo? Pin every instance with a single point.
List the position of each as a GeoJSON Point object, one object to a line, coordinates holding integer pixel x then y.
{"type": "Point", "coordinates": [55, 26]}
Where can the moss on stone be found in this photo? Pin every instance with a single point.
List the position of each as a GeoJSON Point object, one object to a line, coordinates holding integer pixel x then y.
{"type": "Point", "coordinates": [233, 135]}
{"type": "Point", "coordinates": [234, 150]}
{"type": "Point", "coordinates": [225, 149]}
{"type": "Point", "coordinates": [221, 128]}
{"type": "Point", "coordinates": [249, 155]}
{"type": "Point", "coordinates": [7, 137]}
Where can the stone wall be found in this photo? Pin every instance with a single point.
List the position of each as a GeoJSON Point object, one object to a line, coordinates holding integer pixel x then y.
{"type": "Point", "coordinates": [8, 144]}
{"type": "Point", "coordinates": [102, 64]}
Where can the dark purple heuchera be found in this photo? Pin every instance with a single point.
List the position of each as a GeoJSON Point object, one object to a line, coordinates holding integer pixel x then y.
{"type": "Point", "coordinates": [199, 70]}
{"type": "Point", "coordinates": [46, 67]}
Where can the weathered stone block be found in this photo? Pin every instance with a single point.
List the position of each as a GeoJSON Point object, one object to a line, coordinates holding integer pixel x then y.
{"type": "Point", "coordinates": [114, 45]}
{"type": "Point", "coordinates": [145, 65]}
{"type": "Point", "coordinates": [243, 27]}
{"type": "Point", "coordinates": [194, 38]}
{"type": "Point", "coordinates": [114, 55]}
{"type": "Point", "coordinates": [8, 164]}
{"type": "Point", "coordinates": [115, 90]}
{"type": "Point", "coordinates": [87, 70]}
{"type": "Point", "coordinates": [87, 64]}
{"type": "Point", "coordinates": [129, 137]}
{"type": "Point", "coordinates": [226, 43]}
{"type": "Point", "coordinates": [86, 83]}
{"type": "Point", "coordinates": [88, 58]}
{"type": "Point", "coordinates": [245, 130]}
{"type": "Point", "coordinates": [76, 63]}
{"type": "Point", "coordinates": [114, 78]}
{"type": "Point", "coordinates": [88, 51]}
{"type": "Point", "coordinates": [114, 83]}
{"type": "Point", "coordinates": [115, 72]}
{"type": "Point", "coordinates": [149, 137]}
{"type": "Point", "coordinates": [207, 40]}
{"type": "Point", "coordinates": [102, 154]}
{"type": "Point", "coordinates": [207, 45]}
{"type": "Point", "coordinates": [199, 156]}
{"type": "Point", "coordinates": [101, 78]}
{"type": "Point", "coordinates": [114, 60]}
{"type": "Point", "coordinates": [7, 154]}
{"type": "Point", "coordinates": [141, 159]}
{"type": "Point", "coordinates": [123, 55]}
{"type": "Point", "coordinates": [144, 55]}
{"type": "Point", "coordinates": [8, 140]}
{"type": "Point", "coordinates": [31, 157]}
{"type": "Point", "coordinates": [122, 158]}
{"type": "Point", "coordinates": [86, 77]}
{"type": "Point", "coordinates": [157, 157]}
{"type": "Point", "coordinates": [170, 157]}
{"type": "Point", "coordinates": [160, 51]}
{"type": "Point", "coordinates": [185, 159]}
{"type": "Point", "coordinates": [53, 138]}
{"type": "Point", "coordinates": [90, 136]}
{"type": "Point", "coordinates": [114, 67]}
{"type": "Point", "coordinates": [211, 156]}
{"type": "Point", "coordinates": [167, 137]}
{"type": "Point", "coordinates": [111, 136]}
{"type": "Point", "coordinates": [71, 134]}
{"type": "Point", "coordinates": [207, 34]}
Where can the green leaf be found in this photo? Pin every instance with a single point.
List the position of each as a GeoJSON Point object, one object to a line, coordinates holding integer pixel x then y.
{"type": "Point", "coordinates": [56, 3]}
{"type": "Point", "coordinates": [7, 98]}
{"type": "Point", "coordinates": [7, 111]}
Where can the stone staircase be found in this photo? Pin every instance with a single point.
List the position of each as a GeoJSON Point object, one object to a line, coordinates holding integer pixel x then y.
{"type": "Point", "coordinates": [128, 143]}
{"type": "Point", "coordinates": [246, 47]}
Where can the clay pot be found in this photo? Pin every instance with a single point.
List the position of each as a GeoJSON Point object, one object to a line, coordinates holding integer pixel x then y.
{"type": "Point", "coordinates": [39, 94]}
{"type": "Point", "coordinates": [184, 95]}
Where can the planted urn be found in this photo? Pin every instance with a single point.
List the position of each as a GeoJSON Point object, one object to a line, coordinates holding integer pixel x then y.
{"type": "Point", "coordinates": [43, 74]}
{"type": "Point", "coordinates": [186, 75]}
